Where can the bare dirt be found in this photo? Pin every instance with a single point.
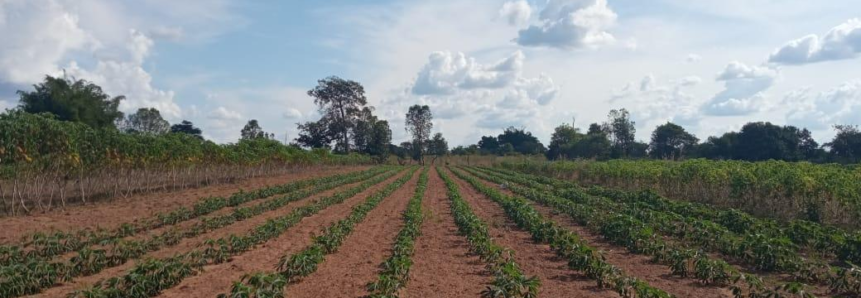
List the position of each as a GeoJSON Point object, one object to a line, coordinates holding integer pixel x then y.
{"type": "Point", "coordinates": [442, 264]}
{"type": "Point", "coordinates": [188, 244]}
{"type": "Point", "coordinates": [218, 278]}
{"type": "Point", "coordinates": [557, 280]}
{"type": "Point", "coordinates": [346, 272]}
{"type": "Point", "coordinates": [111, 214]}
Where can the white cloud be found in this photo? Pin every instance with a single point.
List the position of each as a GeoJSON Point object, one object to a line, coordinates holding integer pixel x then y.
{"type": "Point", "coordinates": [744, 88]}
{"type": "Point", "coordinates": [128, 78]}
{"type": "Point", "coordinates": [571, 24]}
{"type": "Point", "coordinates": [447, 72]}
{"type": "Point", "coordinates": [516, 12]}
{"type": "Point", "coordinates": [222, 113]}
{"type": "Point", "coordinates": [691, 58]}
{"type": "Point", "coordinates": [37, 35]}
{"type": "Point", "coordinates": [292, 114]}
{"type": "Point", "coordinates": [839, 105]}
{"type": "Point", "coordinates": [653, 102]}
{"type": "Point", "coordinates": [841, 42]}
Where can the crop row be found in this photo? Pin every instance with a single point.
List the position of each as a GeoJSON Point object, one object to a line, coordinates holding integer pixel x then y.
{"type": "Point", "coordinates": [150, 277]}
{"type": "Point", "coordinates": [639, 236]}
{"type": "Point", "coordinates": [291, 268]}
{"type": "Point", "coordinates": [509, 281]}
{"type": "Point", "coordinates": [38, 273]}
{"type": "Point", "coordinates": [396, 269]}
{"type": "Point", "coordinates": [566, 244]}
{"type": "Point", "coordinates": [817, 238]}
{"type": "Point", "coordinates": [762, 250]}
{"type": "Point", "coordinates": [47, 245]}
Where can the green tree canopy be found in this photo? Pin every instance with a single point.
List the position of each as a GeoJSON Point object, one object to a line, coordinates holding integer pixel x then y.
{"type": "Point", "coordinates": [72, 100]}
{"type": "Point", "coordinates": [146, 120]}
{"type": "Point", "coordinates": [340, 102]}
{"type": "Point", "coordinates": [671, 141]}
{"type": "Point", "coordinates": [187, 127]}
{"type": "Point", "coordinates": [419, 122]}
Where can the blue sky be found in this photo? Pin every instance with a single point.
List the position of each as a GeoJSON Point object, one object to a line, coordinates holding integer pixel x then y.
{"type": "Point", "coordinates": [481, 65]}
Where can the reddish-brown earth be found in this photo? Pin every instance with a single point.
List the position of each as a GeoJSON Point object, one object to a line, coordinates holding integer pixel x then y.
{"type": "Point", "coordinates": [557, 280]}
{"type": "Point", "coordinates": [346, 272]}
{"type": "Point", "coordinates": [113, 213]}
{"type": "Point", "coordinates": [218, 279]}
{"type": "Point", "coordinates": [188, 244]}
{"type": "Point", "coordinates": [443, 266]}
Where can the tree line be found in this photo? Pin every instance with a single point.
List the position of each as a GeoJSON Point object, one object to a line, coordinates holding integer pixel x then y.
{"type": "Point", "coordinates": [614, 138]}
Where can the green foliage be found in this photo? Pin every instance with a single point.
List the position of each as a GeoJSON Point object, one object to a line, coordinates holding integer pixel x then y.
{"type": "Point", "coordinates": [72, 100]}
{"type": "Point", "coordinates": [671, 141]}
{"type": "Point", "coordinates": [32, 143]}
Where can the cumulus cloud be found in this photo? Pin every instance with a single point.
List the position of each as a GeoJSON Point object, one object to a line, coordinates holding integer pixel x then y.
{"type": "Point", "coordinates": [222, 113]}
{"type": "Point", "coordinates": [37, 35]}
{"type": "Point", "coordinates": [839, 105]}
{"type": "Point", "coordinates": [841, 42]}
{"type": "Point", "coordinates": [744, 88]}
{"type": "Point", "coordinates": [127, 77]}
{"type": "Point", "coordinates": [447, 72]}
{"type": "Point", "coordinates": [653, 101]}
{"type": "Point", "coordinates": [293, 114]}
{"type": "Point", "coordinates": [571, 24]}
{"type": "Point", "coordinates": [516, 12]}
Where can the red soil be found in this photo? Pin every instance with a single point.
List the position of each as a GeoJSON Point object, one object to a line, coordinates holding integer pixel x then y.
{"type": "Point", "coordinates": [442, 264]}
{"type": "Point", "coordinates": [188, 244]}
{"type": "Point", "coordinates": [346, 272]}
{"type": "Point", "coordinates": [111, 214]}
{"type": "Point", "coordinates": [218, 278]}
{"type": "Point", "coordinates": [557, 280]}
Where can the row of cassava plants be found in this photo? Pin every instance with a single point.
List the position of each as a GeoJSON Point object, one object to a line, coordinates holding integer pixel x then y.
{"type": "Point", "coordinates": [147, 280]}
{"type": "Point", "coordinates": [508, 279]}
{"type": "Point", "coordinates": [35, 274]}
{"type": "Point", "coordinates": [814, 237]}
{"type": "Point", "coordinates": [566, 244]}
{"type": "Point", "coordinates": [640, 237]}
{"type": "Point", "coordinates": [292, 268]}
{"type": "Point", "coordinates": [396, 269]}
{"type": "Point", "coordinates": [45, 163]}
{"type": "Point", "coordinates": [768, 250]}
{"type": "Point", "coordinates": [825, 193]}
{"type": "Point", "coordinates": [41, 244]}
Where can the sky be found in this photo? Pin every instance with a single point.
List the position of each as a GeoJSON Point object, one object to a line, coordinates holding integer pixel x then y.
{"type": "Point", "coordinates": [482, 65]}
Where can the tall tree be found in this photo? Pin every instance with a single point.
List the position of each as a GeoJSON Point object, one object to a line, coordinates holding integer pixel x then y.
{"type": "Point", "coordinates": [72, 100]}
{"type": "Point", "coordinates": [252, 130]}
{"type": "Point", "coordinates": [763, 140]}
{"type": "Point", "coordinates": [437, 146]}
{"type": "Point", "coordinates": [379, 141]}
{"type": "Point", "coordinates": [339, 101]}
{"type": "Point", "coordinates": [621, 131]}
{"type": "Point", "coordinates": [563, 138]}
{"type": "Point", "coordinates": [671, 141]}
{"type": "Point", "coordinates": [314, 134]}
{"type": "Point", "coordinates": [488, 145]}
{"type": "Point", "coordinates": [522, 141]}
{"type": "Point", "coordinates": [419, 122]}
{"type": "Point", "coordinates": [187, 127]}
{"type": "Point", "coordinates": [146, 120]}
{"type": "Point", "coordinates": [846, 145]}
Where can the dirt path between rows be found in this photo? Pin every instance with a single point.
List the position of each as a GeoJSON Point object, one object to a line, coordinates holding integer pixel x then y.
{"type": "Point", "coordinates": [111, 214]}
{"type": "Point", "coordinates": [640, 266]}
{"type": "Point", "coordinates": [218, 278]}
{"type": "Point", "coordinates": [356, 263]}
{"type": "Point", "coordinates": [557, 280]}
{"type": "Point", "coordinates": [442, 264]}
{"type": "Point", "coordinates": [187, 244]}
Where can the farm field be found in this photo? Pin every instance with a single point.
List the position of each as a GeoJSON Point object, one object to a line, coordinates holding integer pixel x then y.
{"type": "Point", "coordinates": [413, 231]}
